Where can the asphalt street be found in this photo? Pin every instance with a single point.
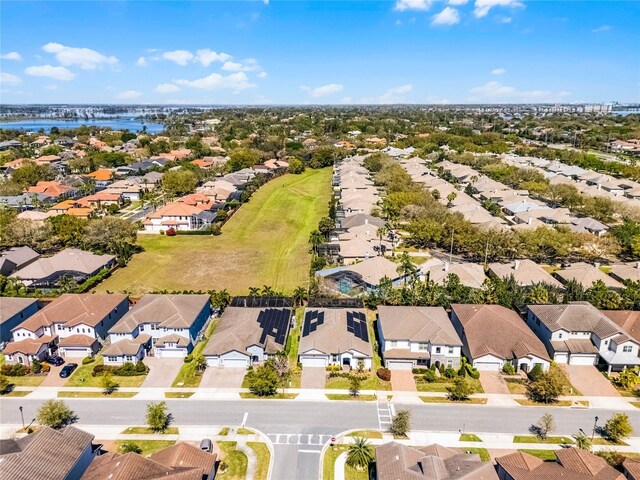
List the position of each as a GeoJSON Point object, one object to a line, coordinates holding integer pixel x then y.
{"type": "Point", "coordinates": [295, 427]}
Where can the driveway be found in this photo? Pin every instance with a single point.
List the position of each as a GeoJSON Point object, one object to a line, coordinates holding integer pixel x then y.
{"type": "Point", "coordinates": [221, 377]}
{"type": "Point", "coordinates": [589, 381]}
{"type": "Point", "coordinates": [492, 382]}
{"type": "Point", "coordinates": [402, 381]}
{"type": "Point", "coordinates": [313, 377]}
{"type": "Point", "coordinates": [53, 378]}
{"type": "Point", "coordinates": [162, 373]}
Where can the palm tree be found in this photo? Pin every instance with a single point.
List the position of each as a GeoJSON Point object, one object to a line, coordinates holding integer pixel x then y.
{"type": "Point", "coordinates": [406, 266]}
{"type": "Point", "coordinates": [360, 454]}
{"type": "Point", "coordinates": [299, 295]}
{"type": "Point", "coordinates": [382, 232]}
{"type": "Point", "coordinates": [315, 239]}
{"type": "Point", "coordinates": [254, 291]}
{"type": "Point", "coordinates": [582, 441]}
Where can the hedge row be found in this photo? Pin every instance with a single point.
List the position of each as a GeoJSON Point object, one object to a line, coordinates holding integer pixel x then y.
{"type": "Point", "coordinates": [126, 370]}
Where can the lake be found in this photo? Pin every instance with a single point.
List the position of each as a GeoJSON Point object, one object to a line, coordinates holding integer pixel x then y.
{"type": "Point", "coordinates": [36, 124]}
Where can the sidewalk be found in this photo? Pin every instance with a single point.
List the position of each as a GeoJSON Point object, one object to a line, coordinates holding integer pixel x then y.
{"type": "Point", "coordinates": [319, 395]}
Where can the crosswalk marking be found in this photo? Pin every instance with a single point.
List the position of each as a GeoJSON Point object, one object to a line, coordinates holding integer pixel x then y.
{"type": "Point", "coordinates": [311, 439]}
{"type": "Point", "coordinates": [384, 414]}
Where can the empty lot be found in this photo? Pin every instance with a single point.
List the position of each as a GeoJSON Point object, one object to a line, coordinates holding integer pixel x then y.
{"type": "Point", "coordinates": [264, 243]}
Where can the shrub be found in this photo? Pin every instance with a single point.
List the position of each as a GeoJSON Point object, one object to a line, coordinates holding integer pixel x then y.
{"type": "Point", "coordinates": [449, 372]}
{"type": "Point", "coordinates": [401, 423]}
{"type": "Point", "coordinates": [141, 367]}
{"type": "Point", "coordinates": [88, 360]}
{"type": "Point", "coordinates": [429, 376]}
{"type": "Point", "coordinates": [263, 381]}
{"type": "Point", "coordinates": [45, 368]}
{"type": "Point", "coordinates": [171, 232]}
{"type": "Point", "coordinates": [384, 374]}
{"type": "Point", "coordinates": [618, 427]}
{"type": "Point", "coordinates": [36, 367]}
{"type": "Point", "coordinates": [420, 371]}
{"type": "Point", "coordinates": [127, 447]}
{"type": "Point", "coordinates": [16, 370]}
{"type": "Point", "coordinates": [508, 369]}
{"type": "Point", "coordinates": [188, 358]}
{"type": "Point", "coordinates": [474, 373]}
{"type": "Point", "coordinates": [460, 390]}
{"type": "Point", "coordinates": [535, 373]}
{"type": "Point", "coordinates": [546, 389]}
{"type": "Point", "coordinates": [55, 414]}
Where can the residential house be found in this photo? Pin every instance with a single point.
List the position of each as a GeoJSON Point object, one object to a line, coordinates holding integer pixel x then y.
{"type": "Point", "coordinates": [412, 336]}
{"type": "Point", "coordinates": [359, 219]}
{"type": "Point", "coordinates": [36, 216]}
{"type": "Point", "coordinates": [245, 336]}
{"type": "Point", "coordinates": [100, 200]}
{"type": "Point", "coordinates": [16, 258]}
{"type": "Point", "coordinates": [55, 189]}
{"type": "Point", "coordinates": [102, 177]}
{"type": "Point", "coordinates": [13, 311]}
{"type": "Point", "coordinates": [470, 274]}
{"type": "Point", "coordinates": [130, 188]}
{"type": "Point", "coordinates": [174, 323]}
{"type": "Point", "coordinates": [127, 350]}
{"type": "Point", "coordinates": [10, 144]}
{"type": "Point", "coordinates": [627, 320]}
{"type": "Point", "coordinates": [79, 321]}
{"type": "Point", "coordinates": [588, 225]}
{"type": "Point", "coordinates": [525, 272]}
{"type": "Point", "coordinates": [179, 216]}
{"type": "Point", "coordinates": [396, 461]}
{"type": "Point", "coordinates": [579, 334]}
{"type": "Point", "coordinates": [335, 336]}
{"type": "Point", "coordinates": [570, 464]}
{"type": "Point", "coordinates": [27, 201]}
{"type": "Point", "coordinates": [48, 454]}
{"type": "Point", "coordinates": [26, 351]}
{"type": "Point", "coordinates": [71, 263]}
{"type": "Point", "coordinates": [362, 276]}
{"type": "Point", "coordinates": [180, 461]}
{"type": "Point", "coordinates": [631, 467]}
{"type": "Point", "coordinates": [73, 208]}
{"type": "Point", "coordinates": [623, 272]}
{"type": "Point", "coordinates": [586, 275]}
{"type": "Point", "coordinates": [493, 335]}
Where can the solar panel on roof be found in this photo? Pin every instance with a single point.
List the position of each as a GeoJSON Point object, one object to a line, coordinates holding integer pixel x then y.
{"type": "Point", "coordinates": [320, 320]}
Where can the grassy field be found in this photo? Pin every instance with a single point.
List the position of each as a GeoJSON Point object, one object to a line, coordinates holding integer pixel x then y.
{"type": "Point", "coordinates": [264, 457]}
{"type": "Point", "coordinates": [264, 243]}
{"type": "Point", "coordinates": [82, 377]}
{"type": "Point", "coordinates": [534, 439]}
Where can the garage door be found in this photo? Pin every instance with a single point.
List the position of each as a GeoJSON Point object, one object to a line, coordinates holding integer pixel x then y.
{"type": "Point", "coordinates": [561, 357]}
{"type": "Point", "coordinates": [582, 360]}
{"type": "Point", "coordinates": [74, 352]}
{"type": "Point", "coordinates": [399, 365]}
{"type": "Point", "coordinates": [493, 366]}
{"type": "Point", "coordinates": [314, 361]}
{"type": "Point", "coordinates": [163, 353]}
{"type": "Point", "coordinates": [235, 363]}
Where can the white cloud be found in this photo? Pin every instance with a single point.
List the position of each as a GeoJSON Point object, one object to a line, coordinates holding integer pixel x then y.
{"type": "Point", "coordinates": [11, 56]}
{"type": "Point", "coordinates": [85, 58]}
{"type": "Point", "coordinates": [59, 73]}
{"type": "Point", "coordinates": [505, 20]}
{"type": "Point", "coordinates": [167, 88]}
{"type": "Point", "coordinates": [448, 16]}
{"type": "Point", "coordinates": [248, 65]}
{"type": "Point", "coordinates": [324, 90]}
{"type": "Point", "coordinates": [9, 79]}
{"type": "Point", "coordinates": [181, 57]}
{"type": "Point", "coordinates": [458, 2]}
{"type": "Point", "coordinates": [603, 28]}
{"type": "Point", "coordinates": [496, 92]}
{"type": "Point", "coordinates": [128, 95]}
{"type": "Point", "coordinates": [498, 71]}
{"type": "Point", "coordinates": [141, 62]}
{"type": "Point", "coordinates": [207, 57]}
{"type": "Point", "coordinates": [263, 75]}
{"type": "Point", "coordinates": [235, 81]}
{"type": "Point", "coordinates": [482, 7]}
{"type": "Point", "coordinates": [393, 95]}
{"type": "Point", "coordinates": [402, 5]}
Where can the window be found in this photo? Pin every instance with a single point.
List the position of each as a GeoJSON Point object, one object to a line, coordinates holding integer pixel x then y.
{"type": "Point", "coordinates": [606, 342]}
{"type": "Point", "coordinates": [423, 346]}
{"type": "Point", "coordinates": [438, 349]}
{"type": "Point", "coordinates": [627, 349]}
{"type": "Point", "coordinates": [449, 363]}
{"type": "Point", "coordinates": [129, 358]}
{"type": "Point", "coordinates": [537, 321]}
{"type": "Point", "coordinates": [391, 344]}
{"type": "Point", "coordinates": [560, 335]}
{"type": "Point", "coordinates": [113, 359]}
{"type": "Point", "coordinates": [450, 351]}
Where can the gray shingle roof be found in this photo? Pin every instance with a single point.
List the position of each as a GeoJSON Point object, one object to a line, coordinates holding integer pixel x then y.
{"type": "Point", "coordinates": [417, 324]}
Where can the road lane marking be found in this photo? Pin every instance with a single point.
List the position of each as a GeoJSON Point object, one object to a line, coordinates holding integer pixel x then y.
{"type": "Point", "coordinates": [244, 419]}
{"type": "Point", "coordinates": [310, 451]}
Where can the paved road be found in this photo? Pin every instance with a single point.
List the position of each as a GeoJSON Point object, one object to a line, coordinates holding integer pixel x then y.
{"type": "Point", "coordinates": [311, 419]}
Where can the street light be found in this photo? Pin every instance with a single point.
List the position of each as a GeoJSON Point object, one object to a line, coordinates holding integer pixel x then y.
{"type": "Point", "coordinates": [595, 424]}
{"type": "Point", "coordinates": [22, 416]}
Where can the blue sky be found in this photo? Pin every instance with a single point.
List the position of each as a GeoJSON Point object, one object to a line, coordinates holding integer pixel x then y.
{"type": "Point", "coordinates": [295, 52]}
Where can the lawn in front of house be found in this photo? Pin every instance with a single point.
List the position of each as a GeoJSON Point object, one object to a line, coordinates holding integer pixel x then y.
{"type": "Point", "coordinates": [148, 431]}
{"type": "Point", "coordinates": [235, 460]}
{"type": "Point", "coordinates": [470, 437]}
{"type": "Point", "coordinates": [277, 396]}
{"type": "Point", "coordinates": [482, 452]}
{"type": "Point", "coordinates": [189, 376]}
{"type": "Point", "coordinates": [264, 457]}
{"type": "Point", "coordinates": [82, 376]}
{"type": "Point", "coordinates": [470, 401]}
{"type": "Point", "coordinates": [27, 380]}
{"type": "Point", "coordinates": [148, 446]}
{"type": "Point", "coordinates": [96, 395]}
{"type": "Point", "coordinates": [546, 455]}
{"type": "Point", "coordinates": [346, 396]}
{"type": "Point", "coordinates": [266, 242]}
{"type": "Point", "coordinates": [530, 403]}
{"type": "Point", "coordinates": [366, 434]}
{"type": "Point", "coordinates": [329, 463]}
{"type": "Point", "coordinates": [442, 384]}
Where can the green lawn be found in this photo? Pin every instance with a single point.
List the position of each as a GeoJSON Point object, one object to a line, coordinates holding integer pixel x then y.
{"type": "Point", "coordinates": [264, 243]}
{"type": "Point", "coordinates": [16, 393]}
{"type": "Point", "coordinates": [329, 462]}
{"type": "Point", "coordinates": [471, 401]}
{"type": "Point", "coordinates": [346, 396]}
{"type": "Point", "coordinates": [534, 439]}
{"type": "Point", "coordinates": [366, 434]}
{"type": "Point", "coordinates": [96, 395]}
{"type": "Point", "coordinates": [483, 452]}
{"type": "Point", "coordinates": [27, 380]}
{"type": "Point", "coordinates": [82, 377]}
{"type": "Point", "coordinates": [148, 446]}
{"type": "Point", "coordinates": [189, 376]}
{"type": "Point", "coordinates": [470, 437]}
{"type": "Point", "coordinates": [277, 396]}
{"type": "Point", "coordinates": [530, 403]}
{"type": "Point", "coordinates": [547, 455]}
{"type": "Point", "coordinates": [235, 460]}
{"type": "Point", "coordinates": [178, 394]}
{"type": "Point", "coordinates": [264, 457]}
{"type": "Point", "coordinates": [148, 431]}
{"type": "Point", "coordinates": [423, 386]}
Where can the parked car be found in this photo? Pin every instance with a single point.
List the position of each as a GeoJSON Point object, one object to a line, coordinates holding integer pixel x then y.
{"type": "Point", "coordinates": [54, 360]}
{"type": "Point", "coordinates": [68, 370]}
{"type": "Point", "coordinates": [206, 445]}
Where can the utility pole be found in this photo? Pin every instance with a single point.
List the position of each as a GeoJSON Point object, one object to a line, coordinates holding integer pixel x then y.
{"type": "Point", "coordinates": [595, 425]}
